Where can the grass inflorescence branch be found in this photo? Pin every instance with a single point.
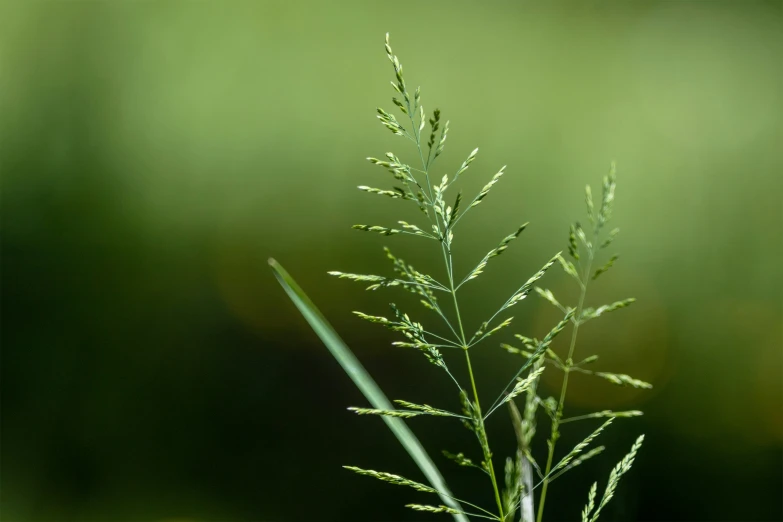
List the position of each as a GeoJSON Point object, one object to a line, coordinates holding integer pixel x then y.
{"type": "Point", "coordinates": [440, 208]}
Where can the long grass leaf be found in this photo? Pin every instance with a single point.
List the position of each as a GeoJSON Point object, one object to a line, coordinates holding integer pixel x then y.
{"type": "Point", "coordinates": [366, 384]}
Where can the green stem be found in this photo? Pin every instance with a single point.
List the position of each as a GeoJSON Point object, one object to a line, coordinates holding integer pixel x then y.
{"type": "Point", "coordinates": [459, 319]}
{"type": "Point", "coordinates": [449, 269]}
{"type": "Point", "coordinates": [483, 438]}
{"type": "Point", "coordinates": [482, 435]}
{"type": "Point", "coordinates": [569, 362]}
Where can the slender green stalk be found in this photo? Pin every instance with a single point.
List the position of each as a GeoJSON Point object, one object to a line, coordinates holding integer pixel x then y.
{"type": "Point", "coordinates": [483, 438]}
{"type": "Point", "coordinates": [366, 385]}
{"type": "Point", "coordinates": [569, 362]}
{"type": "Point", "coordinates": [447, 258]}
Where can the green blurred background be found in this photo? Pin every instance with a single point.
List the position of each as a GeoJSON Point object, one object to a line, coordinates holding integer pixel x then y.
{"type": "Point", "coordinates": [154, 154]}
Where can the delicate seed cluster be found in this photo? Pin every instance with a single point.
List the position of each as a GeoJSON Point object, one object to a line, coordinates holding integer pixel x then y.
{"type": "Point", "coordinates": [392, 479]}
{"type": "Point", "coordinates": [581, 446]}
{"type": "Point", "coordinates": [583, 251]}
{"type": "Point", "coordinates": [525, 289]}
{"type": "Point", "coordinates": [624, 380]}
{"type": "Point", "coordinates": [592, 313]}
{"type": "Point", "coordinates": [492, 253]}
{"type": "Point", "coordinates": [614, 478]}
{"type": "Point", "coordinates": [524, 384]}
{"type": "Point", "coordinates": [604, 414]}
{"type": "Point", "coordinates": [413, 410]}
{"type": "Point", "coordinates": [441, 211]}
{"type": "Point", "coordinates": [549, 296]}
{"type": "Point", "coordinates": [590, 503]}
{"type": "Point", "coordinates": [513, 490]}
{"type": "Point", "coordinates": [484, 191]}
{"type": "Point", "coordinates": [432, 509]}
{"type": "Point", "coordinates": [460, 459]}
{"type": "Point", "coordinates": [606, 267]}
{"type": "Point", "coordinates": [581, 459]}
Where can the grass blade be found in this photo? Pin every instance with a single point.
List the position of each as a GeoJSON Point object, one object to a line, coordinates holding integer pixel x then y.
{"type": "Point", "coordinates": [365, 383]}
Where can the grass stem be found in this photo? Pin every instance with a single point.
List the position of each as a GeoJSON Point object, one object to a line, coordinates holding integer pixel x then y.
{"type": "Point", "coordinates": [569, 362]}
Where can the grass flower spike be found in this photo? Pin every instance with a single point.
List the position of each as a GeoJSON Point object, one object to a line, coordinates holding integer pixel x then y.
{"type": "Point", "coordinates": [436, 207]}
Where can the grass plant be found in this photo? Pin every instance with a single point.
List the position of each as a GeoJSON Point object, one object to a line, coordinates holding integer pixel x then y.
{"type": "Point", "coordinates": [441, 207]}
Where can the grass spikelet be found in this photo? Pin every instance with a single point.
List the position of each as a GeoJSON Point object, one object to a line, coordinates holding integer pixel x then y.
{"type": "Point", "coordinates": [401, 105]}
{"type": "Point", "coordinates": [392, 479]}
{"type": "Point", "coordinates": [432, 509]}
{"type": "Point", "coordinates": [590, 502]}
{"type": "Point", "coordinates": [610, 238]}
{"type": "Point", "coordinates": [434, 356]}
{"type": "Point", "coordinates": [581, 446]}
{"type": "Point", "coordinates": [395, 194]}
{"type": "Point", "coordinates": [614, 477]}
{"type": "Point", "coordinates": [416, 231]}
{"type": "Point", "coordinates": [607, 201]}
{"type": "Point", "coordinates": [587, 360]}
{"type": "Point", "coordinates": [527, 354]}
{"type": "Point", "coordinates": [622, 379]}
{"type": "Point", "coordinates": [415, 334]}
{"type": "Point", "coordinates": [484, 191]}
{"type": "Point", "coordinates": [451, 213]}
{"type": "Point", "coordinates": [402, 414]}
{"type": "Point", "coordinates": [414, 410]}
{"type": "Point", "coordinates": [589, 203]}
{"type": "Point", "coordinates": [559, 327]}
{"type": "Point", "coordinates": [400, 86]}
{"type": "Point", "coordinates": [572, 248]}
{"type": "Point", "coordinates": [549, 296]}
{"type": "Point", "coordinates": [391, 123]}
{"type": "Point", "coordinates": [523, 385]}
{"type": "Point", "coordinates": [460, 459]}
{"type": "Point", "coordinates": [513, 489]}
{"type": "Point", "coordinates": [604, 414]}
{"type": "Point", "coordinates": [606, 267]}
{"type": "Point", "coordinates": [580, 460]}
{"type": "Point", "coordinates": [493, 253]}
{"type": "Point", "coordinates": [380, 230]}
{"type": "Point", "coordinates": [414, 282]}
{"type": "Point", "coordinates": [359, 277]}
{"type": "Point", "coordinates": [442, 142]}
{"type": "Point", "coordinates": [399, 170]}
{"type": "Point", "coordinates": [373, 318]}
{"type": "Point", "coordinates": [590, 313]}
{"type": "Point", "coordinates": [481, 335]}
{"type": "Point", "coordinates": [525, 288]}
{"type": "Point", "coordinates": [425, 408]}
{"type": "Point", "coordinates": [466, 164]}
{"type": "Point", "coordinates": [569, 268]}
{"type": "Point", "coordinates": [421, 283]}
{"type": "Point", "coordinates": [467, 409]}
{"type": "Point", "coordinates": [434, 125]}
{"type": "Point", "coordinates": [580, 233]}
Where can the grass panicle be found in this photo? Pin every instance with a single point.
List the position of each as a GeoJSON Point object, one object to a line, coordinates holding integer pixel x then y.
{"type": "Point", "coordinates": [436, 208]}
{"type": "Point", "coordinates": [584, 253]}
